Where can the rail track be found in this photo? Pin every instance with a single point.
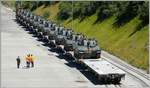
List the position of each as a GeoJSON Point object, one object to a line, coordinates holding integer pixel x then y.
{"type": "Point", "coordinates": [129, 69]}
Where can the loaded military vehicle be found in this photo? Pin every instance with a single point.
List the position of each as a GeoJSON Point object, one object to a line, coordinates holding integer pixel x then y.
{"type": "Point", "coordinates": [86, 48]}
{"type": "Point", "coordinates": [69, 44]}
{"type": "Point", "coordinates": [61, 34]}
{"type": "Point", "coordinates": [51, 35]}
{"type": "Point", "coordinates": [46, 31]}
{"type": "Point", "coordinates": [60, 38]}
{"type": "Point", "coordinates": [36, 21]}
{"type": "Point", "coordinates": [69, 41]}
{"type": "Point", "coordinates": [40, 28]}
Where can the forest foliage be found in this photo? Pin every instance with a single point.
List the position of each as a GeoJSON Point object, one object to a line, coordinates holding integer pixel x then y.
{"type": "Point", "coordinates": [123, 10]}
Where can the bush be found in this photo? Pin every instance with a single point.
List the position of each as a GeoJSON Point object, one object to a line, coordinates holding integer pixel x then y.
{"type": "Point", "coordinates": [63, 15]}
{"type": "Point", "coordinates": [65, 10]}
{"type": "Point", "coordinates": [46, 14]}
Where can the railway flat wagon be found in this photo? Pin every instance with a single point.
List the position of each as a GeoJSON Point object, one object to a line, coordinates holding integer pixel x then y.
{"type": "Point", "coordinates": [104, 71]}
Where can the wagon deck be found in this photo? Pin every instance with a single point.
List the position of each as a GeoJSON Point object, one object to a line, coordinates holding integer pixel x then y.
{"type": "Point", "coordinates": [102, 67]}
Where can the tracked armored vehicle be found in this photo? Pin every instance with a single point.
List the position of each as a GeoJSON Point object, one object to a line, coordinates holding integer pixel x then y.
{"type": "Point", "coordinates": [86, 48]}
{"type": "Point", "coordinates": [51, 35]}
{"type": "Point", "coordinates": [46, 31]}
{"type": "Point", "coordinates": [22, 16]}
{"type": "Point", "coordinates": [35, 23]}
{"type": "Point", "coordinates": [69, 40]}
{"type": "Point", "coordinates": [60, 38]}
{"type": "Point", "coordinates": [26, 18]}
{"type": "Point", "coordinates": [61, 34]}
{"type": "Point", "coordinates": [40, 29]}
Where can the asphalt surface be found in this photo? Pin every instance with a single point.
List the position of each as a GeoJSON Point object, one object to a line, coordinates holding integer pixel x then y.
{"type": "Point", "coordinates": [50, 70]}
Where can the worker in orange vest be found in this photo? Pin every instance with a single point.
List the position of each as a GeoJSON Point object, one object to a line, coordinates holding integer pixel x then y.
{"type": "Point", "coordinates": [32, 60]}
{"type": "Point", "coordinates": [28, 61]}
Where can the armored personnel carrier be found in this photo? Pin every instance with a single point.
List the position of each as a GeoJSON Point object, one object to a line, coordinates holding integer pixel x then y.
{"type": "Point", "coordinates": [19, 11]}
{"type": "Point", "coordinates": [35, 23]}
{"type": "Point", "coordinates": [49, 34]}
{"type": "Point", "coordinates": [22, 16]}
{"type": "Point", "coordinates": [61, 34]}
{"type": "Point", "coordinates": [31, 27]}
{"type": "Point", "coordinates": [26, 18]}
{"type": "Point", "coordinates": [46, 31]}
{"type": "Point", "coordinates": [29, 21]}
{"type": "Point", "coordinates": [86, 48]}
{"type": "Point", "coordinates": [69, 44]}
{"type": "Point", "coordinates": [69, 40]}
{"type": "Point", "coordinates": [40, 28]}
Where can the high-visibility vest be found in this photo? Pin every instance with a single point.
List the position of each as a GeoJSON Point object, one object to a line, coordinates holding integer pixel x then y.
{"type": "Point", "coordinates": [32, 58]}
{"type": "Point", "coordinates": [27, 58]}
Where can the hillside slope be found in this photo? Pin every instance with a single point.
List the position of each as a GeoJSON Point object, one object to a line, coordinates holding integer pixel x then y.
{"type": "Point", "coordinates": [118, 41]}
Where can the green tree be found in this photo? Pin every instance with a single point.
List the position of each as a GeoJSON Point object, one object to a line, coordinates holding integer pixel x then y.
{"type": "Point", "coordinates": [46, 14]}
{"type": "Point", "coordinates": [65, 10]}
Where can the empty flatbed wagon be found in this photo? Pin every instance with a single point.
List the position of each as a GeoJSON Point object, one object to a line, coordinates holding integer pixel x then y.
{"type": "Point", "coordinates": [104, 71]}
